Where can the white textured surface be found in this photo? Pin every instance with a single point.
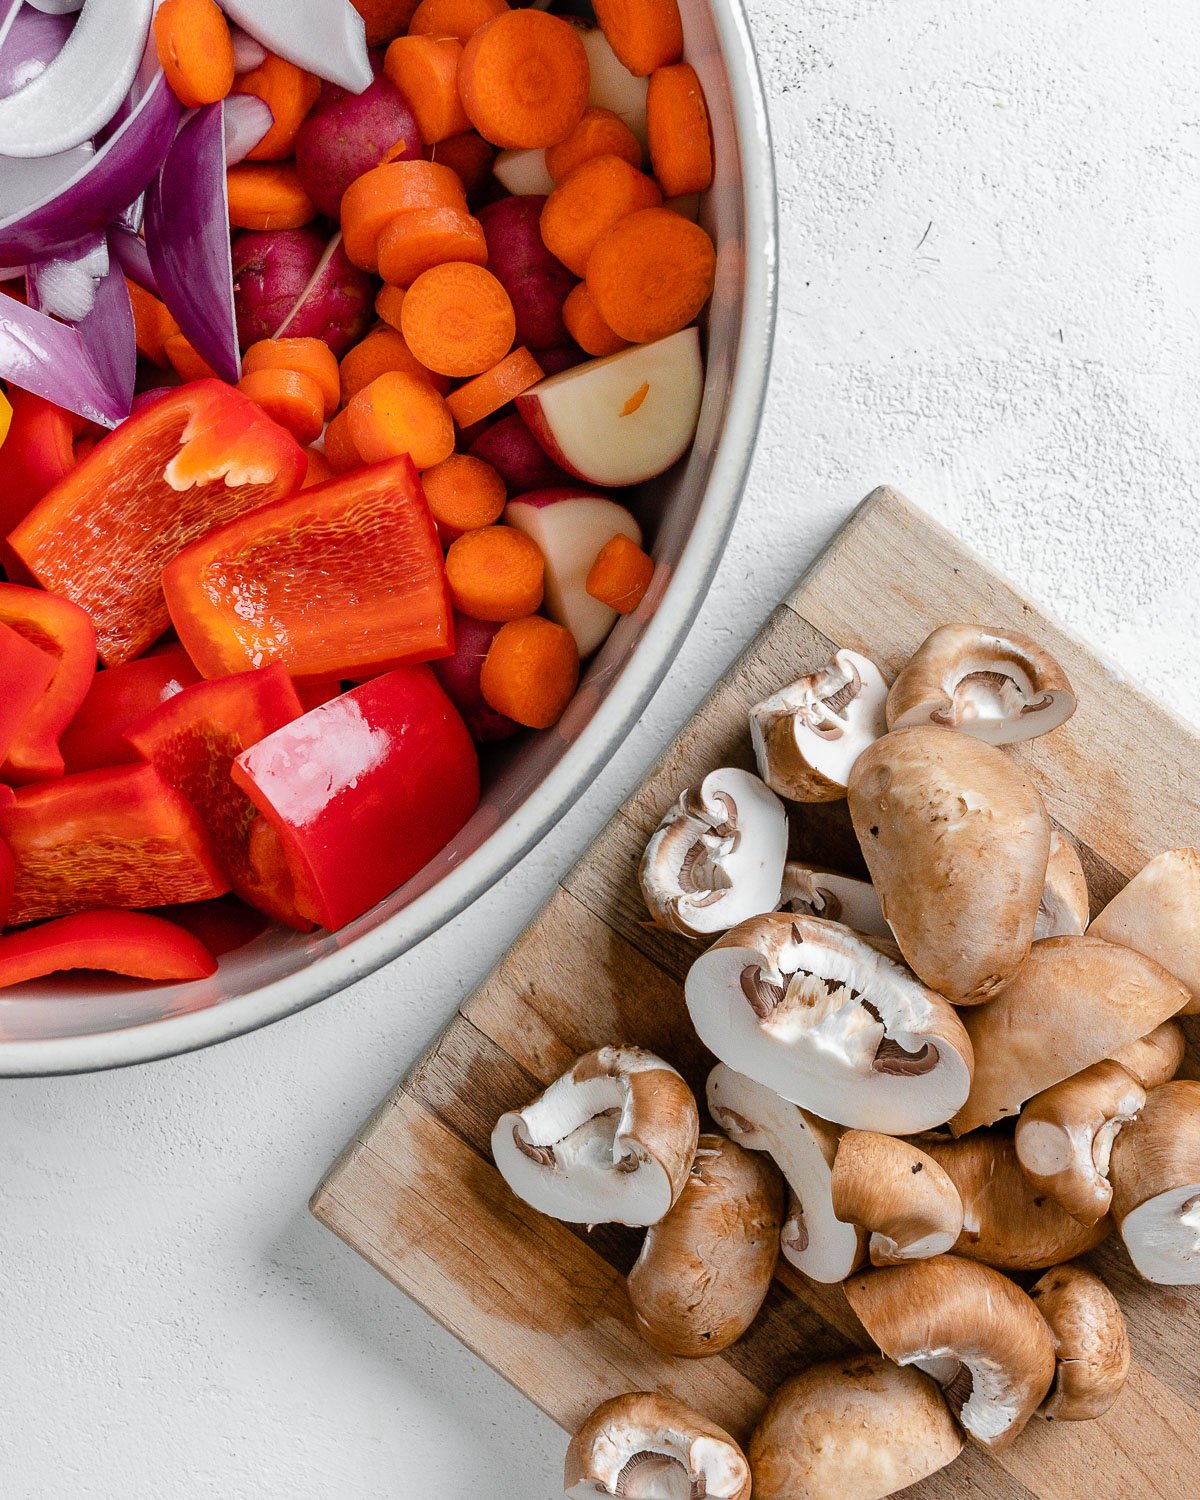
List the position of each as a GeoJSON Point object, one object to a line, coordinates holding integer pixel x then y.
{"type": "Point", "coordinates": [990, 298]}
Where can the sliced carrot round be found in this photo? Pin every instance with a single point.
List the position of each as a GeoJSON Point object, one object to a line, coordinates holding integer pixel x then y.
{"type": "Point", "coordinates": [678, 131]}
{"type": "Point", "coordinates": [292, 399]}
{"type": "Point", "coordinates": [290, 93]}
{"type": "Point", "coordinates": [263, 195]}
{"type": "Point", "coordinates": [495, 573]}
{"type": "Point", "coordinates": [458, 319]}
{"type": "Point", "coordinates": [401, 413]}
{"type": "Point", "coordinates": [651, 274]}
{"type": "Point", "coordinates": [599, 133]}
{"type": "Point", "coordinates": [415, 241]}
{"type": "Point", "coordinates": [312, 357]}
{"type": "Point", "coordinates": [644, 34]}
{"type": "Point", "coordinates": [597, 195]}
{"type": "Point", "coordinates": [587, 327]}
{"type": "Point", "coordinates": [464, 493]}
{"type": "Point", "coordinates": [457, 18]}
{"type": "Point", "coordinates": [373, 200]}
{"type": "Point", "coordinates": [388, 302]}
{"type": "Point", "coordinates": [341, 454]}
{"type": "Point", "coordinates": [425, 70]}
{"type": "Point", "coordinates": [488, 392]}
{"type": "Point", "coordinates": [531, 671]}
{"type": "Point", "coordinates": [524, 79]}
{"type": "Point", "coordinates": [195, 47]}
{"type": "Point", "coordinates": [379, 353]}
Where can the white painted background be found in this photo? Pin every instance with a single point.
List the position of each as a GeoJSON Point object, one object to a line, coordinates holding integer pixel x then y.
{"type": "Point", "coordinates": [989, 298]}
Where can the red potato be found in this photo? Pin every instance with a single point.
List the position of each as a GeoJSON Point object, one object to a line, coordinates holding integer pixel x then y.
{"type": "Point", "coordinates": [535, 281]}
{"type": "Point", "coordinates": [517, 456]}
{"type": "Point", "coordinates": [348, 134]}
{"type": "Point", "coordinates": [561, 357]}
{"type": "Point", "coordinates": [337, 304]}
{"type": "Point", "coordinates": [299, 280]}
{"type": "Point", "coordinates": [459, 676]}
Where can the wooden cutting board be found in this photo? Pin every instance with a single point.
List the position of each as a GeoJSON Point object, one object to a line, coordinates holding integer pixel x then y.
{"type": "Point", "coordinates": [416, 1192]}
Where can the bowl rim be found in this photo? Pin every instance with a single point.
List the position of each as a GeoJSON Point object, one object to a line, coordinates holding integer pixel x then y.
{"type": "Point", "coordinates": [637, 682]}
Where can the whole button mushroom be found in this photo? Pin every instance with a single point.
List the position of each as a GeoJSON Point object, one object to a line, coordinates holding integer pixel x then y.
{"type": "Point", "coordinates": [1158, 914]}
{"type": "Point", "coordinates": [1091, 1343]}
{"type": "Point", "coordinates": [1155, 1173]}
{"type": "Point", "coordinates": [648, 1444]}
{"type": "Point", "coordinates": [899, 1193]}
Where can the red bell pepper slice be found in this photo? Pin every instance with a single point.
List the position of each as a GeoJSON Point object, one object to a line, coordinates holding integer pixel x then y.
{"type": "Point", "coordinates": [121, 942]}
{"type": "Point", "coordinates": [102, 536]}
{"type": "Point", "coordinates": [25, 674]}
{"type": "Point", "coordinates": [116, 838]}
{"type": "Point", "coordinates": [8, 871]}
{"type": "Point", "coordinates": [365, 790]}
{"type": "Point", "coordinates": [345, 579]}
{"type": "Point", "coordinates": [64, 632]}
{"type": "Point", "coordinates": [117, 698]}
{"type": "Point", "coordinates": [38, 452]}
{"type": "Point", "coordinates": [192, 741]}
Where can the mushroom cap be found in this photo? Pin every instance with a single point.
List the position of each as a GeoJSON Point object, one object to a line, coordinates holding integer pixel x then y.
{"type": "Point", "coordinates": [1155, 1173]}
{"type": "Point", "coordinates": [957, 842]}
{"type": "Point", "coordinates": [803, 1147]}
{"type": "Point", "coordinates": [717, 857]}
{"type": "Point", "coordinates": [1065, 1134]}
{"type": "Point", "coordinates": [706, 1266]}
{"type": "Point", "coordinates": [807, 736]}
{"type": "Point", "coordinates": [898, 1192]}
{"type": "Point", "coordinates": [1091, 1343]}
{"type": "Point", "coordinates": [1007, 1222]}
{"type": "Point", "coordinates": [857, 1428]}
{"type": "Point", "coordinates": [1063, 910]}
{"type": "Point", "coordinates": [810, 1009]}
{"type": "Point", "coordinates": [1156, 1057]}
{"type": "Point", "coordinates": [1158, 913]}
{"type": "Point", "coordinates": [660, 1440]}
{"type": "Point", "coordinates": [1072, 1003]}
{"type": "Point", "coordinates": [814, 892]}
{"type": "Point", "coordinates": [994, 684]}
{"type": "Point", "coordinates": [948, 1313]}
{"type": "Point", "coordinates": [610, 1142]}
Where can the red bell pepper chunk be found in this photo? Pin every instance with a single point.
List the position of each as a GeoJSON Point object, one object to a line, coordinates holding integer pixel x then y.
{"type": "Point", "coordinates": [365, 790]}
{"type": "Point", "coordinates": [345, 579]}
{"type": "Point", "coordinates": [38, 452]}
{"type": "Point", "coordinates": [25, 674]}
{"type": "Point", "coordinates": [8, 870]}
{"type": "Point", "coordinates": [117, 698]}
{"type": "Point", "coordinates": [116, 838]}
{"type": "Point", "coordinates": [192, 741]}
{"type": "Point", "coordinates": [102, 536]}
{"type": "Point", "coordinates": [63, 631]}
{"type": "Point", "coordinates": [121, 942]}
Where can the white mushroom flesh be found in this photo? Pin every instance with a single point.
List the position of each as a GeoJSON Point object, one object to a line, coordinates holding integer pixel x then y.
{"type": "Point", "coordinates": [664, 1465]}
{"type": "Point", "coordinates": [814, 892]}
{"type": "Point", "coordinates": [1162, 1236]}
{"type": "Point", "coordinates": [979, 1391]}
{"type": "Point", "coordinates": [1063, 909]}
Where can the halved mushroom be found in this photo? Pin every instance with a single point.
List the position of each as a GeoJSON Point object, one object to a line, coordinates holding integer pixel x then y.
{"type": "Point", "coordinates": [649, 1445]}
{"type": "Point", "coordinates": [1007, 1222]}
{"type": "Point", "coordinates": [1158, 913]}
{"type": "Point", "coordinates": [899, 1193]}
{"type": "Point", "coordinates": [957, 842]}
{"type": "Point", "coordinates": [807, 736]}
{"type": "Point", "coordinates": [717, 857]}
{"type": "Point", "coordinates": [706, 1266]}
{"type": "Point", "coordinates": [810, 1009]}
{"type": "Point", "coordinates": [994, 684]}
{"type": "Point", "coordinates": [1072, 1003]}
{"type": "Point", "coordinates": [814, 1239]}
{"type": "Point", "coordinates": [610, 1142]}
{"type": "Point", "coordinates": [1091, 1343]}
{"type": "Point", "coordinates": [1156, 1057]}
{"type": "Point", "coordinates": [972, 1329]}
{"type": "Point", "coordinates": [814, 892]}
{"type": "Point", "coordinates": [1155, 1173]}
{"type": "Point", "coordinates": [1065, 1135]}
{"type": "Point", "coordinates": [1063, 909]}
{"type": "Point", "coordinates": [857, 1428]}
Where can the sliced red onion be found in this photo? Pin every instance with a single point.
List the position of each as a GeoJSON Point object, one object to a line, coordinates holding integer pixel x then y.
{"type": "Point", "coordinates": [51, 360]}
{"type": "Point", "coordinates": [29, 43]}
{"type": "Point", "coordinates": [133, 258]}
{"type": "Point", "coordinates": [247, 53]}
{"type": "Point", "coordinates": [57, 7]}
{"type": "Point", "coordinates": [187, 236]}
{"type": "Point", "coordinates": [131, 218]}
{"type": "Point", "coordinates": [110, 338]}
{"type": "Point", "coordinates": [66, 286]}
{"type": "Point", "coordinates": [81, 90]}
{"type": "Point", "coordinates": [327, 37]}
{"type": "Point", "coordinates": [247, 120]}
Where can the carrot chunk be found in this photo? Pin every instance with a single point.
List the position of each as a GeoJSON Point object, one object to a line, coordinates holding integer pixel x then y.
{"type": "Point", "coordinates": [153, 325]}
{"type": "Point", "coordinates": [388, 302]}
{"type": "Point", "coordinates": [620, 575]}
{"type": "Point", "coordinates": [319, 470]}
{"type": "Point", "coordinates": [378, 354]}
{"type": "Point", "coordinates": [651, 274]}
{"type": "Point", "coordinates": [458, 319]}
{"type": "Point", "coordinates": [587, 327]}
{"type": "Point", "coordinates": [264, 195]}
{"type": "Point", "coordinates": [340, 452]}
{"type": "Point", "coordinates": [425, 70]}
{"type": "Point", "coordinates": [464, 493]}
{"type": "Point", "coordinates": [581, 211]}
{"type": "Point", "coordinates": [185, 361]}
{"type": "Point", "coordinates": [495, 573]}
{"type": "Point", "coordinates": [531, 671]}
{"type": "Point", "coordinates": [290, 93]}
{"type": "Point", "coordinates": [416, 241]}
{"type": "Point", "coordinates": [401, 413]}
{"type": "Point", "coordinates": [644, 34]}
{"type": "Point", "coordinates": [195, 47]}
{"type": "Point", "coordinates": [524, 79]}
{"type": "Point", "coordinates": [288, 397]}
{"type": "Point", "coordinates": [373, 200]}
{"type": "Point", "coordinates": [599, 133]}
{"type": "Point", "coordinates": [311, 357]}
{"type": "Point", "coordinates": [678, 130]}
{"type": "Point", "coordinates": [457, 18]}
{"type": "Point", "coordinates": [467, 154]}
{"type": "Point", "coordinates": [384, 18]}
{"type": "Point", "coordinates": [487, 393]}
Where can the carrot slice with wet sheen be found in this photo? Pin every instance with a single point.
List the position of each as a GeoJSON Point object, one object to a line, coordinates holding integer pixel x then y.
{"type": "Point", "coordinates": [524, 79]}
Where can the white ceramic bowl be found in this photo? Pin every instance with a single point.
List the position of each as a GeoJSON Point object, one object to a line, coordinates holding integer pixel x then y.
{"type": "Point", "coordinates": [56, 1027]}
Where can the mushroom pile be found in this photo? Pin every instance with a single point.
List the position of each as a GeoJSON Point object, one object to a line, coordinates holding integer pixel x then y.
{"type": "Point", "coordinates": [938, 1088]}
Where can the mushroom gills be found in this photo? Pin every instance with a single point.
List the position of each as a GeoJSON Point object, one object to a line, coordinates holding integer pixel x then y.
{"type": "Point", "coordinates": [814, 892]}
{"type": "Point", "coordinates": [977, 1390]}
{"type": "Point", "coordinates": [655, 1474]}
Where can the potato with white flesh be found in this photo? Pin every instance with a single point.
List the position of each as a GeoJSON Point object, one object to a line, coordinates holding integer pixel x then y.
{"type": "Point", "coordinates": [813, 1011]}
{"type": "Point", "coordinates": [1007, 1222]}
{"type": "Point", "coordinates": [813, 891]}
{"type": "Point", "coordinates": [1158, 914]}
{"type": "Point", "coordinates": [570, 526]}
{"type": "Point", "coordinates": [1156, 1057]}
{"type": "Point", "coordinates": [957, 841]}
{"type": "Point", "coordinates": [610, 1142]}
{"type": "Point", "coordinates": [972, 1329]}
{"type": "Point", "coordinates": [897, 1192]}
{"type": "Point", "coordinates": [651, 1445]}
{"type": "Point", "coordinates": [857, 1428]}
{"type": "Point", "coordinates": [706, 1266]}
{"type": "Point", "coordinates": [624, 418]}
{"type": "Point", "coordinates": [717, 857]}
{"type": "Point", "coordinates": [803, 1147]}
{"type": "Point", "coordinates": [1155, 1174]}
{"type": "Point", "coordinates": [808, 735]}
{"type": "Point", "coordinates": [1091, 1343]}
{"type": "Point", "coordinates": [612, 85]}
{"type": "Point", "coordinates": [523, 171]}
{"type": "Point", "coordinates": [1072, 1003]}
{"type": "Point", "coordinates": [1063, 910]}
{"type": "Point", "coordinates": [997, 685]}
{"type": "Point", "coordinates": [1065, 1136]}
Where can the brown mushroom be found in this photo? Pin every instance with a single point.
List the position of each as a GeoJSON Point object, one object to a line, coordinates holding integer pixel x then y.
{"type": "Point", "coordinates": [1156, 1057]}
{"type": "Point", "coordinates": [899, 1193]}
{"type": "Point", "coordinates": [1155, 1173]}
{"type": "Point", "coordinates": [1091, 1342]}
{"type": "Point", "coordinates": [1158, 913]}
{"type": "Point", "coordinates": [646, 1443]}
{"type": "Point", "coordinates": [1063, 909]}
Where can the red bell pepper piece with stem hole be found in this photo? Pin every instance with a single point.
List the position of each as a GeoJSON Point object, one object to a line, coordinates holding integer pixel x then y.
{"type": "Point", "coordinates": [64, 632]}
{"type": "Point", "coordinates": [345, 579]}
{"type": "Point", "coordinates": [192, 741]}
{"type": "Point", "coordinates": [119, 838]}
{"type": "Point", "coordinates": [102, 536]}
{"type": "Point", "coordinates": [119, 942]}
{"type": "Point", "coordinates": [365, 790]}
{"type": "Point", "coordinates": [117, 698]}
{"type": "Point", "coordinates": [26, 673]}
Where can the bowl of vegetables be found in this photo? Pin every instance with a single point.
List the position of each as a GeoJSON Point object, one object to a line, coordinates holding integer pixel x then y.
{"type": "Point", "coordinates": [380, 384]}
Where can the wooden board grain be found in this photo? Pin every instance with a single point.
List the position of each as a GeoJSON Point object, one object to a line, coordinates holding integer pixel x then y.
{"type": "Point", "coordinates": [416, 1192]}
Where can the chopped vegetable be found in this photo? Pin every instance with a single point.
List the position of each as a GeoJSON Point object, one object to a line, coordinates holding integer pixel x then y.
{"type": "Point", "coordinates": [263, 195]}
{"type": "Point", "coordinates": [495, 573]}
{"type": "Point", "coordinates": [599, 133]}
{"type": "Point", "coordinates": [325, 36]}
{"type": "Point", "coordinates": [41, 355]}
{"type": "Point", "coordinates": [375, 198]}
{"type": "Point", "coordinates": [65, 633]}
{"type": "Point", "coordinates": [587, 327]}
{"type": "Point", "coordinates": [289, 397]}
{"type": "Point", "coordinates": [597, 194]}
{"type": "Point", "coordinates": [247, 122]}
{"type": "Point", "coordinates": [401, 414]}
{"type": "Point", "coordinates": [186, 360]}
{"type": "Point", "coordinates": [620, 575]}
{"type": "Point", "coordinates": [425, 69]}
{"type": "Point", "coordinates": [195, 49]}
{"type": "Point", "coordinates": [531, 671]}
{"type": "Point", "coordinates": [524, 79]}
{"type": "Point", "coordinates": [378, 354]}
{"type": "Point", "coordinates": [37, 453]}
{"type": "Point", "coordinates": [385, 18]}
{"type": "Point", "coordinates": [537, 283]}
{"type": "Point", "coordinates": [457, 18]}
{"type": "Point", "coordinates": [644, 34]}
{"type": "Point", "coordinates": [340, 453]}
{"type": "Point", "coordinates": [25, 674]}
{"type": "Point", "coordinates": [464, 493]}
{"type": "Point", "coordinates": [153, 324]}
{"type": "Point", "coordinates": [416, 241]}
{"type": "Point", "coordinates": [458, 320]}
{"type": "Point", "coordinates": [680, 137]}
{"type": "Point", "coordinates": [469, 155]}
{"type": "Point", "coordinates": [517, 456]}
{"type": "Point", "coordinates": [289, 92]}
{"type": "Point", "coordinates": [117, 698]}
{"type": "Point", "coordinates": [651, 274]}
{"type": "Point", "coordinates": [346, 135]}
{"type": "Point", "coordinates": [459, 677]}
{"type": "Point", "coordinates": [119, 942]}
{"type": "Point", "coordinates": [501, 384]}
{"type": "Point", "coordinates": [310, 357]}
